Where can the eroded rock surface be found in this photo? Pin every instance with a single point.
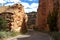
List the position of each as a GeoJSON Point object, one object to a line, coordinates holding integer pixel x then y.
{"type": "Point", "coordinates": [43, 9]}
{"type": "Point", "coordinates": [46, 6]}
{"type": "Point", "coordinates": [15, 16]}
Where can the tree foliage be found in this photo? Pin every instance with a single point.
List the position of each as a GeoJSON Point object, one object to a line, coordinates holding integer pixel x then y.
{"type": "Point", "coordinates": [52, 20]}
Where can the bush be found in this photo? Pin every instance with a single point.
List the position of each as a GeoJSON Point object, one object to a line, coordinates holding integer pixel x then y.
{"type": "Point", "coordinates": [3, 24]}
{"type": "Point", "coordinates": [5, 34]}
{"type": "Point", "coordinates": [55, 35]}
{"type": "Point", "coordinates": [52, 20]}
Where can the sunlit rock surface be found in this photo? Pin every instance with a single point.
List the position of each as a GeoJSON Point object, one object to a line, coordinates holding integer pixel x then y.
{"type": "Point", "coordinates": [15, 16]}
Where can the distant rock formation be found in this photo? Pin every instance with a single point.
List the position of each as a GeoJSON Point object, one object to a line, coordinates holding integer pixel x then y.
{"type": "Point", "coordinates": [31, 19]}
{"type": "Point", "coordinates": [15, 16]}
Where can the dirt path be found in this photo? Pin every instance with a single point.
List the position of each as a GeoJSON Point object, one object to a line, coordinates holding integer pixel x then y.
{"type": "Point", "coordinates": [32, 35]}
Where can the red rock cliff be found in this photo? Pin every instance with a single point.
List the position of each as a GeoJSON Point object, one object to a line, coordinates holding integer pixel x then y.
{"type": "Point", "coordinates": [43, 9]}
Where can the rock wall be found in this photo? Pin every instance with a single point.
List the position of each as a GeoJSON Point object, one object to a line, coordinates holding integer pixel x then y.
{"type": "Point", "coordinates": [42, 12]}
{"type": "Point", "coordinates": [46, 6]}
{"type": "Point", "coordinates": [16, 17]}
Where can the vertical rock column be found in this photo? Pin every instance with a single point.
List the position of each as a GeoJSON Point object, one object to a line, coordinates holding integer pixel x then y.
{"type": "Point", "coordinates": [42, 12]}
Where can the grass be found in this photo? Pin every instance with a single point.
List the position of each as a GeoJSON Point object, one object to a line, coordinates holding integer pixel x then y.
{"type": "Point", "coordinates": [5, 34]}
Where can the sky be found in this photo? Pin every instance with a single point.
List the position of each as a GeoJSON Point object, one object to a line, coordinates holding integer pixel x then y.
{"type": "Point", "coordinates": [29, 5]}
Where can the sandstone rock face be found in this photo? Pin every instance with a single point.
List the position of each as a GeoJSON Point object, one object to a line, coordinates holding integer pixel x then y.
{"type": "Point", "coordinates": [42, 12]}
{"type": "Point", "coordinates": [16, 17]}
{"type": "Point", "coordinates": [46, 6]}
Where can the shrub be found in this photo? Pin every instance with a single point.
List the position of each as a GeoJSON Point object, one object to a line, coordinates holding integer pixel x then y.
{"type": "Point", "coordinates": [5, 34]}
{"type": "Point", "coordinates": [52, 20]}
{"type": "Point", "coordinates": [3, 24]}
{"type": "Point", "coordinates": [55, 35]}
